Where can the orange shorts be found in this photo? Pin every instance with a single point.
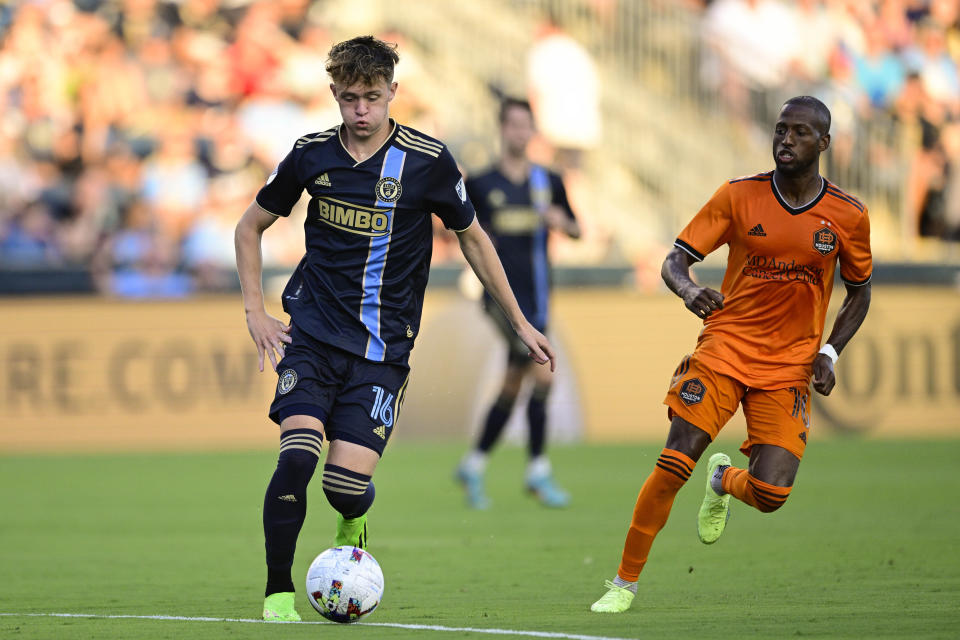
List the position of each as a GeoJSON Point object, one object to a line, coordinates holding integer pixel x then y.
{"type": "Point", "coordinates": [707, 399]}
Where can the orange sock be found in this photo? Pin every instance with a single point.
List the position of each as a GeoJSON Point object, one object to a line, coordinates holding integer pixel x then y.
{"type": "Point", "coordinates": [756, 493]}
{"type": "Point", "coordinates": [652, 509]}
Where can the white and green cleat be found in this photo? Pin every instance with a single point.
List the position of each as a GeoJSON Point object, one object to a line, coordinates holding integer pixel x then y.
{"type": "Point", "coordinates": [715, 509]}
{"type": "Point", "coordinates": [615, 600]}
{"type": "Point", "coordinates": [278, 607]}
{"type": "Point", "coordinates": [351, 532]}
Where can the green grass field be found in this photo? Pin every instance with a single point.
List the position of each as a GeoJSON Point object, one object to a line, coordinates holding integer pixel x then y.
{"type": "Point", "coordinates": [866, 547]}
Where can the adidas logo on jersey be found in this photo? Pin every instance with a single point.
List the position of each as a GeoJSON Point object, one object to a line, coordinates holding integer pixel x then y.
{"type": "Point", "coordinates": [757, 231]}
{"type": "Point", "coordinates": [323, 180]}
{"type": "Point", "coordinates": [381, 431]}
{"type": "Point", "coordinates": [287, 498]}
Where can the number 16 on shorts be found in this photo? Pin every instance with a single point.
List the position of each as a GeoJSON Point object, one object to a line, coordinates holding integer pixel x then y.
{"type": "Point", "coordinates": [382, 410]}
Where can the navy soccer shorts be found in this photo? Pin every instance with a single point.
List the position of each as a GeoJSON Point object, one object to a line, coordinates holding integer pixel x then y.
{"type": "Point", "coordinates": [357, 400]}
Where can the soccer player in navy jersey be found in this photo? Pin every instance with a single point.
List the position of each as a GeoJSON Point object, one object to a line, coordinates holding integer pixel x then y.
{"type": "Point", "coordinates": [355, 299]}
{"type": "Point", "coordinates": [518, 202]}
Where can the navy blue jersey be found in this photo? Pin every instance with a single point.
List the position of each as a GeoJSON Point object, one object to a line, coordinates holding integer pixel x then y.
{"type": "Point", "coordinates": [513, 216]}
{"type": "Point", "coordinates": [368, 235]}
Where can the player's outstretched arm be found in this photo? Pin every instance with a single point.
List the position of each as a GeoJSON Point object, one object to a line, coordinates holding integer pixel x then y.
{"type": "Point", "coordinates": [849, 318]}
{"type": "Point", "coordinates": [483, 259]}
{"type": "Point", "coordinates": [702, 301]}
{"type": "Point", "coordinates": [269, 334]}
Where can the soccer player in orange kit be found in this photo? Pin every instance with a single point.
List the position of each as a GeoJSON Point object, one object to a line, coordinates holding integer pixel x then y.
{"type": "Point", "coordinates": [786, 231]}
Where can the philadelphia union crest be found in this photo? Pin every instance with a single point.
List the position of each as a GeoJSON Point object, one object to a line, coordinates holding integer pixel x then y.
{"type": "Point", "coordinates": [388, 189]}
{"type": "Point", "coordinates": [288, 380]}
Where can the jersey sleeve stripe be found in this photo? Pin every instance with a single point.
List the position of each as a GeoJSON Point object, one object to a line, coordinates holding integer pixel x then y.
{"type": "Point", "coordinates": [419, 139]}
{"type": "Point", "coordinates": [410, 145]}
{"type": "Point", "coordinates": [320, 137]}
{"type": "Point", "coordinates": [760, 177]}
{"type": "Point", "coordinates": [680, 244]}
{"type": "Point", "coordinates": [846, 198]}
{"type": "Point", "coordinates": [853, 283]}
{"type": "Point", "coordinates": [834, 187]}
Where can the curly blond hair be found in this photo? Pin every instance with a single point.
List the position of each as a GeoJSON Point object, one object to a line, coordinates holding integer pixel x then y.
{"type": "Point", "coordinates": [364, 58]}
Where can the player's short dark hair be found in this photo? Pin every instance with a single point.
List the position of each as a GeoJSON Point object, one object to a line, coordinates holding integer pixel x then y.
{"type": "Point", "coordinates": [509, 103]}
{"type": "Point", "coordinates": [823, 114]}
{"type": "Point", "coordinates": [362, 59]}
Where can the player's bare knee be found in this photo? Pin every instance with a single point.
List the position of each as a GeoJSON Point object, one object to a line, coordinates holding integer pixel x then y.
{"type": "Point", "coordinates": [512, 382]}
{"type": "Point", "coordinates": [508, 396]}
{"type": "Point", "coordinates": [687, 438]}
{"type": "Point", "coordinates": [542, 376]}
{"type": "Point", "coordinates": [540, 392]}
{"type": "Point", "coordinates": [773, 465]}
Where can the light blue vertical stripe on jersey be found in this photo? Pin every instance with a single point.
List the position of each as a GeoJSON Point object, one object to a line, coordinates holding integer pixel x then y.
{"type": "Point", "coordinates": [540, 185]}
{"type": "Point", "coordinates": [376, 262]}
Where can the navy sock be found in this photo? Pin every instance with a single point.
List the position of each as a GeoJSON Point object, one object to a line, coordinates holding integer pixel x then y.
{"type": "Point", "coordinates": [349, 492]}
{"type": "Point", "coordinates": [496, 419]}
{"type": "Point", "coordinates": [285, 504]}
{"type": "Point", "coordinates": [537, 420]}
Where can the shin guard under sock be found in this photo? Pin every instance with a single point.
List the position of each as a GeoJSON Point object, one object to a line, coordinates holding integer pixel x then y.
{"type": "Point", "coordinates": [756, 493]}
{"type": "Point", "coordinates": [285, 504]}
{"type": "Point", "coordinates": [537, 422]}
{"type": "Point", "coordinates": [496, 419]}
{"type": "Point", "coordinates": [349, 492]}
{"type": "Point", "coordinates": [653, 506]}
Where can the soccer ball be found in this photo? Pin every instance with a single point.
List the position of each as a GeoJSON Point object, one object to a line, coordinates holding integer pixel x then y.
{"type": "Point", "coordinates": [345, 584]}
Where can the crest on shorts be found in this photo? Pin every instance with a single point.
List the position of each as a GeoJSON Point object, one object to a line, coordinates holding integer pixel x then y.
{"type": "Point", "coordinates": [824, 240]}
{"type": "Point", "coordinates": [388, 189]}
{"type": "Point", "coordinates": [288, 380]}
{"type": "Point", "coordinates": [692, 391]}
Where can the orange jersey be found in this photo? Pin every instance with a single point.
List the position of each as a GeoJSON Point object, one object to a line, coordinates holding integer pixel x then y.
{"type": "Point", "coordinates": [780, 272]}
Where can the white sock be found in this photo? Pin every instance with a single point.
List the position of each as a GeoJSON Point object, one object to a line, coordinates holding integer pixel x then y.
{"type": "Point", "coordinates": [629, 586]}
{"type": "Point", "coordinates": [474, 461]}
{"type": "Point", "coordinates": [538, 467]}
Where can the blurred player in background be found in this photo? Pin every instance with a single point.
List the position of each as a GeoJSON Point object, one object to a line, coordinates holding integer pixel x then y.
{"type": "Point", "coordinates": [518, 203]}
{"type": "Point", "coordinates": [786, 231]}
{"type": "Point", "coordinates": [355, 300]}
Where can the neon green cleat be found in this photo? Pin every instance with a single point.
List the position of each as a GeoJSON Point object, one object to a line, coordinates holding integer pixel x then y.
{"type": "Point", "coordinates": [351, 532]}
{"type": "Point", "coordinates": [615, 600]}
{"type": "Point", "coordinates": [278, 607]}
{"type": "Point", "coordinates": [715, 509]}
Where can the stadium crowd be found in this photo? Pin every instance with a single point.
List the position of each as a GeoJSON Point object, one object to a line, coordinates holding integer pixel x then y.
{"type": "Point", "coordinates": [134, 132]}
{"type": "Point", "coordinates": [894, 61]}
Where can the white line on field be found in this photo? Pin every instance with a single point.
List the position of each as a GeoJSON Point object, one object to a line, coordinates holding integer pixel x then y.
{"type": "Point", "coordinates": [395, 625]}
